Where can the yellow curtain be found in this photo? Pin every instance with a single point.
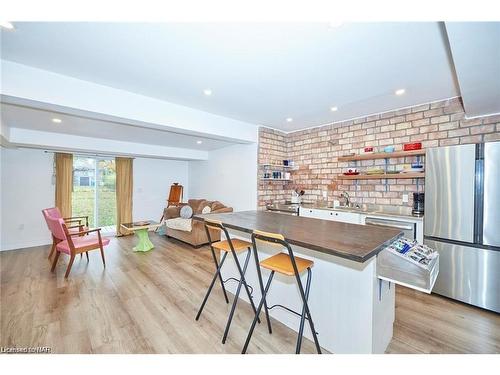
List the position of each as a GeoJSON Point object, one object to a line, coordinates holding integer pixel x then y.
{"type": "Point", "coordinates": [124, 186]}
{"type": "Point", "coordinates": [64, 183]}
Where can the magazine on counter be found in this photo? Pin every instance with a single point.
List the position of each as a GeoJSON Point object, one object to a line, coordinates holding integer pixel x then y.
{"type": "Point", "coordinates": [412, 251]}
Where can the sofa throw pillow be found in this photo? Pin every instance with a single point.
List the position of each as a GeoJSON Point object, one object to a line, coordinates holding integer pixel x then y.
{"type": "Point", "coordinates": [216, 205]}
{"type": "Point", "coordinates": [186, 212]}
{"type": "Point", "coordinates": [197, 204]}
{"type": "Point", "coordinates": [206, 210]}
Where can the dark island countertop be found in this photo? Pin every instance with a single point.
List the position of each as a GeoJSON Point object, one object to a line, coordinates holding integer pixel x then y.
{"type": "Point", "coordinates": [352, 241]}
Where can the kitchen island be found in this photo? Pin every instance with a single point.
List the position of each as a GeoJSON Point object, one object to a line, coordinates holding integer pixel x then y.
{"type": "Point", "coordinates": [353, 310]}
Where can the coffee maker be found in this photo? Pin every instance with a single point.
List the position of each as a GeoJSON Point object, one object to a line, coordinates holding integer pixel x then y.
{"type": "Point", "coordinates": [418, 204]}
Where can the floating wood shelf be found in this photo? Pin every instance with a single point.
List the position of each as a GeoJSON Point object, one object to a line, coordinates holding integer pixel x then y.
{"type": "Point", "coordinates": [382, 155]}
{"type": "Point", "coordinates": [276, 179]}
{"type": "Point", "coordinates": [382, 176]}
{"type": "Point", "coordinates": [278, 166]}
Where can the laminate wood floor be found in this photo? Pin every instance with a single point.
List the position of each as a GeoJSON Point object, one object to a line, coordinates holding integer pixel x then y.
{"type": "Point", "coordinates": [146, 303]}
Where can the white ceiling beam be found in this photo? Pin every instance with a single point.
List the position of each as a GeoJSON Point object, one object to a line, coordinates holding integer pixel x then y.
{"type": "Point", "coordinates": [35, 85]}
{"type": "Point", "coordinates": [72, 143]}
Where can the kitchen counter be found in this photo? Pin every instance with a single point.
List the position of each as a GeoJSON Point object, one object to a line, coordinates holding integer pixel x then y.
{"type": "Point", "coordinates": [355, 242]}
{"type": "Point", "coordinates": [353, 310]}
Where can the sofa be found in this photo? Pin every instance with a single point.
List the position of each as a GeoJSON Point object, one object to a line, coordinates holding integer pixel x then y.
{"type": "Point", "coordinates": [188, 230]}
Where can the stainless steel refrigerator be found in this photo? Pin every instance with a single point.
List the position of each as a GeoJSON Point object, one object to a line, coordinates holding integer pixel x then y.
{"type": "Point", "coordinates": [462, 221]}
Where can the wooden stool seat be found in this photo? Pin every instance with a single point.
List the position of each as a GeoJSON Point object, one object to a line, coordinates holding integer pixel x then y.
{"type": "Point", "coordinates": [238, 245]}
{"type": "Point", "coordinates": [282, 263]}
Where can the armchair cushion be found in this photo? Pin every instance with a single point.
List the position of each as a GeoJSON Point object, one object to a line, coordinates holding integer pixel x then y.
{"type": "Point", "coordinates": [179, 223]}
{"type": "Point", "coordinates": [81, 242]}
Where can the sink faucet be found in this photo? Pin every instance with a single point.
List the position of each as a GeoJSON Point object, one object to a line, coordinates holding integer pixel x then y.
{"type": "Point", "coordinates": [345, 195]}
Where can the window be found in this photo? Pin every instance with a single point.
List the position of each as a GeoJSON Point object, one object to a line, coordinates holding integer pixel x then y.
{"type": "Point", "coordinates": [94, 191]}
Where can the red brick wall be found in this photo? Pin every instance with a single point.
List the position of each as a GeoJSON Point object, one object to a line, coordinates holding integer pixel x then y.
{"type": "Point", "coordinates": [436, 124]}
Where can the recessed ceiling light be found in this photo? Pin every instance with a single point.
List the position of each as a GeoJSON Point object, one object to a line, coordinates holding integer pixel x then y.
{"type": "Point", "coordinates": [6, 25]}
{"type": "Point", "coordinates": [289, 119]}
{"type": "Point", "coordinates": [207, 92]}
{"type": "Point", "coordinates": [199, 142]}
{"type": "Point", "coordinates": [333, 109]}
{"type": "Point", "coordinates": [400, 91]}
{"type": "Point", "coordinates": [56, 120]}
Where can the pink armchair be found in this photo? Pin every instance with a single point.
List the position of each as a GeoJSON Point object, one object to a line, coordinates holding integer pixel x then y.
{"type": "Point", "coordinates": [56, 214]}
{"type": "Point", "coordinates": [74, 243]}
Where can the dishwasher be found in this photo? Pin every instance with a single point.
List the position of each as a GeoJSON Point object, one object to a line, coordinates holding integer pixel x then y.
{"type": "Point", "coordinates": [407, 227]}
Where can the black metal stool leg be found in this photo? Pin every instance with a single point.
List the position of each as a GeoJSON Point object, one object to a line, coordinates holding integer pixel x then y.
{"type": "Point", "coordinates": [236, 296]}
{"type": "Point", "coordinates": [242, 274]}
{"type": "Point", "coordinates": [262, 301]}
{"type": "Point", "coordinates": [303, 316]}
{"type": "Point", "coordinates": [217, 274]}
{"type": "Point", "coordinates": [308, 313]}
{"type": "Point", "coordinates": [261, 284]}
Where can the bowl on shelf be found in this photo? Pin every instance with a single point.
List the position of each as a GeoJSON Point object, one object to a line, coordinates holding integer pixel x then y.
{"type": "Point", "coordinates": [389, 149]}
{"type": "Point", "coordinates": [374, 171]}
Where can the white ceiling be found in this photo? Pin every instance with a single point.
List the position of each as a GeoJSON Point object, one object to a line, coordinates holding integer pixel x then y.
{"type": "Point", "coordinates": [15, 116]}
{"type": "Point", "coordinates": [476, 56]}
{"type": "Point", "coordinates": [259, 73]}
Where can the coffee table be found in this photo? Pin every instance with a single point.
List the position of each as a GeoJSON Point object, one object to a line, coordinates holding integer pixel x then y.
{"type": "Point", "coordinates": [141, 228]}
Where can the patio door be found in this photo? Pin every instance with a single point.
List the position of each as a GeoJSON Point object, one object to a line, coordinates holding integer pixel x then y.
{"type": "Point", "coordinates": [94, 191]}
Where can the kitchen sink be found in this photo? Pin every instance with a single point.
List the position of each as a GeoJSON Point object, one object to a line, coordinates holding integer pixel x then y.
{"type": "Point", "coordinates": [355, 208]}
{"type": "Point", "coordinates": [375, 209]}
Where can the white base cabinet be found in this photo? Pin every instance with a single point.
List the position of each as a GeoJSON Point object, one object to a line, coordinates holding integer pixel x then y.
{"type": "Point", "coordinates": [358, 218]}
{"type": "Point", "coordinates": [318, 213]}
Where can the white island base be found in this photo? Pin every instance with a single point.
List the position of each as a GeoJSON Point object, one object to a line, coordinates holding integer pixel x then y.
{"type": "Point", "coordinates": [353, 311]}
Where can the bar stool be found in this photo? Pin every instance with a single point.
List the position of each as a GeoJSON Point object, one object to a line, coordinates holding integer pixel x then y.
{"type": "Point", "coordinates": [233, 246]}
{"type": "Point", "coordinates": [288, 265]}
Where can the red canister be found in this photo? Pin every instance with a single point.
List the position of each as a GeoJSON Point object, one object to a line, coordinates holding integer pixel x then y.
{"type": "Point", "coordinates": [412, 146]}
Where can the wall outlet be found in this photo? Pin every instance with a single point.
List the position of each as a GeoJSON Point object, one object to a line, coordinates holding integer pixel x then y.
{"type": "Point", "coordinates": [21, 227]}
{"type": "Point", "coordinates": [405, 198]}
{"type": "Point", "coordinates": [324, 194]}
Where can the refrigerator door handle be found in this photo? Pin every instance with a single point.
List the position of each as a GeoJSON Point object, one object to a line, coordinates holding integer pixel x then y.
{"type": "Point", "coordinates": [491, 198]}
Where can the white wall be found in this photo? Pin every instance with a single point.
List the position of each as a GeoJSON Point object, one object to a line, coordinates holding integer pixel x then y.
{"type": "Point", "coordinates": [229, 175]}
{"type": "Point", "coordinates": [26, 180]}
{"type": "Point", "coordinates": [152, 180]}
{"type": "Point", "coordinates": [26, 189]}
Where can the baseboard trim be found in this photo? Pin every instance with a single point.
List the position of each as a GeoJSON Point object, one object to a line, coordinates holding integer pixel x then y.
{"type": "Point", "coordinates": [24, 245]}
